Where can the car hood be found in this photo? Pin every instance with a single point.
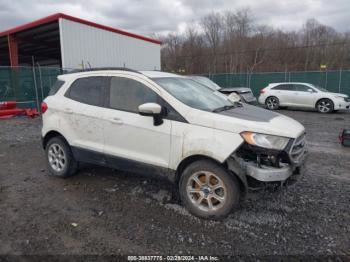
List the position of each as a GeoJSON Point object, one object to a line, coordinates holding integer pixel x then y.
{"type": "Point", "coordinates": [337, 94]}
{"type": "Point", "coordinates": [249, 118]}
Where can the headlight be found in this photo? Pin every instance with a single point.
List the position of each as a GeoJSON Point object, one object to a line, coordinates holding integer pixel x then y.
{"type": "Point", "coordinates": [265, 141]}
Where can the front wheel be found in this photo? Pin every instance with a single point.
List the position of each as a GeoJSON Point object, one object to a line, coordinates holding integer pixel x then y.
{"type": "Point", "coordinates": [208, 191]}
{"type": "Point", "coordinates": [325, 106]}
{"type": "Point", "coordinates": [272, 103]}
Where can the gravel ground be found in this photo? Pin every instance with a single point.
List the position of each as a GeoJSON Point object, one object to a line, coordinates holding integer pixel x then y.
{"type": "Point", "coordinates": [103, 211]}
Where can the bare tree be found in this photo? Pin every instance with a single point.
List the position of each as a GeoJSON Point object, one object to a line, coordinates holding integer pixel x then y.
{"type": "Point", "coordinates": [232, 42]}
{"type": "Point", "coordinates": [212, 26]}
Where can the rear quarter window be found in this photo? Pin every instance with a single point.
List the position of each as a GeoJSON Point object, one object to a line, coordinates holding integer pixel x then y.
{"type": "Point", "coordinates": [56, 86]}
{"type": "Point", "coordinates": [88, 90]}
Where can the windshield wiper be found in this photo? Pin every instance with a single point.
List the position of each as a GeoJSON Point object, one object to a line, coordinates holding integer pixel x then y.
{"type": "Point", "coordinates": [223, 108]}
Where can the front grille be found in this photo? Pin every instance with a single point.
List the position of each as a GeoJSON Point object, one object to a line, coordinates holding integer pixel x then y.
{"type": "Point", "coordinates": [298, 149]}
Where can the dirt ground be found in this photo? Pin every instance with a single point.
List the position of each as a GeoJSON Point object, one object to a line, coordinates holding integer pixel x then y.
{"type": "Point", "coordinates": [122, 213]}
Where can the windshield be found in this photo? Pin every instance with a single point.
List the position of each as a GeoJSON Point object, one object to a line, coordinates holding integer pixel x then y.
{"type": "Point", "coordinates": [194, 94]}
{"type": "Point", "coordinates": [206, 81]}
{"type": "Point", "coordinates": [320, 88]}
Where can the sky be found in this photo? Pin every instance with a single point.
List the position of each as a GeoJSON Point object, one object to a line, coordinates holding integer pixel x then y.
{"type": "Point", "coordinates": [160, 17]}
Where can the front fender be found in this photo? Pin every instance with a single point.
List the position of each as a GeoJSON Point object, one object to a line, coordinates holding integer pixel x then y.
{"type": "Point", "coordinates": [190, 140]}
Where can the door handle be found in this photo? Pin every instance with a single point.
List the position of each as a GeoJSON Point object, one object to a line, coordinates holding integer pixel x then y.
{"type": "Point", "coordinates": [117, 121]}
{"type": "Point", "coordinates": [68, 110]}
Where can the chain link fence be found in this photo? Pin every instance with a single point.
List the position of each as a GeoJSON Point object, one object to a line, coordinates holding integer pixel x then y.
{"type": "Point", "coordinates": [334, 81]}
{"type": "Point", "coordinates": [30, 85]}
{"type": "Point", "coordinates": [27, 85]}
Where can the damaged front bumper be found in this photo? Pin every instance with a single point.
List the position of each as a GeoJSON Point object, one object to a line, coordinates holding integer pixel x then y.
{"type": "Point", "coordinates": [271, 174]}
{"type": "Point", "coordinates": [253, 173]}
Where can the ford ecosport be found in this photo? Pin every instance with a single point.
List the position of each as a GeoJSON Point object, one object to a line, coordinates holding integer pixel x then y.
{"type": "Point", "coordinates": [160, 123]}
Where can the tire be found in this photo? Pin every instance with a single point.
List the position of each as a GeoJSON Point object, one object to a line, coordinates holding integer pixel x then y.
{"type": "Point", "coordinates": [272, 103]}
{"type": "Point", "coordinates": [59, 157]}
{"type": "Point", "coordinates": [325, 106]}
{"type": "Point", "coordinates": [212, 198]}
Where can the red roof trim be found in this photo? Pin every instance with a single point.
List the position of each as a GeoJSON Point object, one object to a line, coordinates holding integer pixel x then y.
{"type": "Point", "coordinates": [55, 17]}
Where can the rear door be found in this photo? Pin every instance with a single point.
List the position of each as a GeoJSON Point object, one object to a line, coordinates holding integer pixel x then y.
{"type": "Point", "coordinates": [83, 109]}
{"type": "Point", "coordinates": [284, 93]}
{"type": "Point", "coordinates": [132, 140]}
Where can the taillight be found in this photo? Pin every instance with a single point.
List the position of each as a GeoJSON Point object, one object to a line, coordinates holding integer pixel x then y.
{"type": "Point", "coordinates": [44, 107]}
{"type": "Point", "coordinates": [262, 91]}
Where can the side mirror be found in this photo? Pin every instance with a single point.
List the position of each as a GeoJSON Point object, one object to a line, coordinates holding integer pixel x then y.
{"type": "Point", "coordinates": [152, 109]}
{"type": "Point", "coordinates": [310, 90]}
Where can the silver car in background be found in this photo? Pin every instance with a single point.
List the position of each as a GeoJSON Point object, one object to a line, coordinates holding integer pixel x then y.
{"type": "Point", "coordinates": [245, 94]}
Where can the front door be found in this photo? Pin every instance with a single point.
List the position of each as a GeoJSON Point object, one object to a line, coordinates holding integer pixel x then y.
{"type": "Point", "coordinates": [303, 97]}
{"type": "Point", "coordinates": [132, 140]}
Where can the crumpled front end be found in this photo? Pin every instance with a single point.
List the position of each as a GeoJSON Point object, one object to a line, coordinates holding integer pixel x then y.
{"type": "Point", "coordinates": [258, 166]}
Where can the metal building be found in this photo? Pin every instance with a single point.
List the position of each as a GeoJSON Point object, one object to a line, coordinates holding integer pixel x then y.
{"type": "Point", "coordinates": [69, 42]}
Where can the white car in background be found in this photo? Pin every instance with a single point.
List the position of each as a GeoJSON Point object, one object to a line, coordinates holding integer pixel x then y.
{"type": "Point", "coordinates": [303, 95]}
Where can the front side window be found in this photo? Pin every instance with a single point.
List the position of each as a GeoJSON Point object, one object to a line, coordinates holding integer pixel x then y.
{"type": "Point", "coordinates": [302, 88]}
{"type": "Point", "coordinates": [320, 88]}
{"type": "Point", "coordinates": [193, 94]}
{"type": "Point", "coordinates": [127, 94]}
{"type": "Point", "coordinates": [88, 90]}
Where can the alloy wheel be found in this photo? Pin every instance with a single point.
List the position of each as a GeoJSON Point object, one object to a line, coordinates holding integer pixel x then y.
{"type": "Point", "coordinates": [324, 106]}
{"type": "Point", "coordinates": [272, 103]}
{"type": "Point", "coordinates": [206, 191]}
{"type": "Point", "coordinates": [57, 157]}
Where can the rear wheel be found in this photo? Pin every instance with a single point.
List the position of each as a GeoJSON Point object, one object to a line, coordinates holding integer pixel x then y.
{"type": "Point", "coordinates": [325, 106]}
{"type": "Point", "coordinates": [208, 191]}
{"type": "Point", "coordinates": [60, 160]}
{"type": "Point", "coordinates": [272, 103]}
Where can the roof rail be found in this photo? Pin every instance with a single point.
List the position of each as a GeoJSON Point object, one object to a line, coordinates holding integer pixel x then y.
{"type": "Point", "coordinates": [102, 69]}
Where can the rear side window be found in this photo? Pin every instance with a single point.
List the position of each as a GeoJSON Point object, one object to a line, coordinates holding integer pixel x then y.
{"type": "Point", "coordinates": [88, 90]}
{"type": "Point", "coordinates": [127, 94]}
{"type": "Point", "coordinates": [286, 87]}
{"type": "Point", "coordinates": [56, 86]}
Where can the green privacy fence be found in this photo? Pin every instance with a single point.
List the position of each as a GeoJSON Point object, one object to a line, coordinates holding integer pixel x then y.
{"type": "Point", "coordinates": [334, 81]}
{"type": "Point", "coordinates": [29, 86]}
{"type": "Point", "coordinates": [26, 85]}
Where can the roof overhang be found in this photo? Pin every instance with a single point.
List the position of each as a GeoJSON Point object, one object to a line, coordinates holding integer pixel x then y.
{"type": "Point", "coordinates": [56, 17]}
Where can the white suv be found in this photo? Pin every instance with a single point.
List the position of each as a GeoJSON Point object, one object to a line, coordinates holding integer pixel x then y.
{"type": "Point", "coordinates": [161, 123]}
{"type": "Point", "coordinates": [302, 95]}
